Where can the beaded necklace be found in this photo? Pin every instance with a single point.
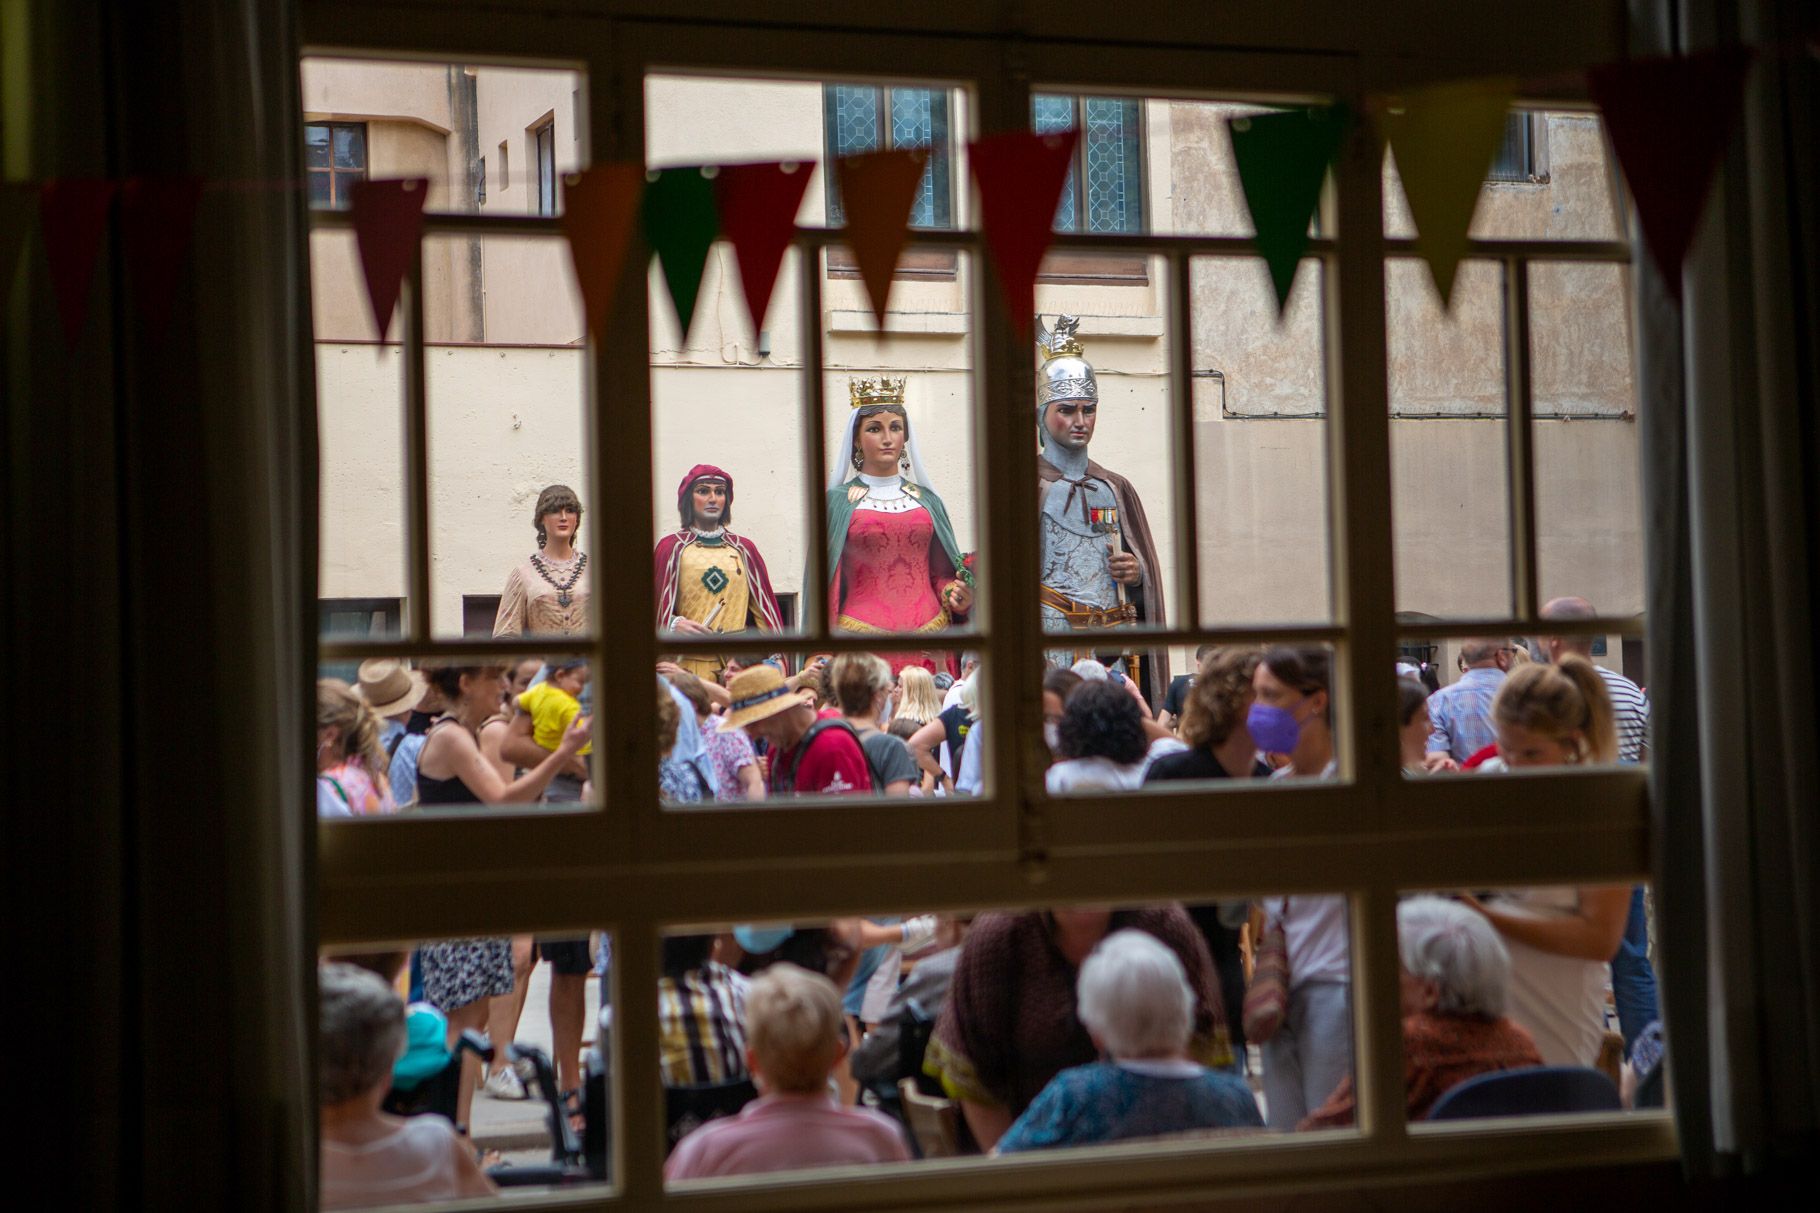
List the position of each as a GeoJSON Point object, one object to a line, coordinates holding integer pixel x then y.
{"type": "Point", "coordinates": [562, 587]}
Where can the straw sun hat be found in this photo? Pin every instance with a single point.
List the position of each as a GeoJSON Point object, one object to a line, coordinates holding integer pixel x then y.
{"type": "Point", "coordinates": [758, 693]}
{"type": "Point", "coordinates": [389, 686]}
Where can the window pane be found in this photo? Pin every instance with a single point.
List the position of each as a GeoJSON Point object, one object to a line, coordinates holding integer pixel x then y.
{"type": "Point", "coordinates": [1260, 445]}
{"type": "Point", "coordinates": [434, 120]}
{"type": "Point", "coordinates": [1115, 178]}
{"type": "Point", "coordinates": [1448, 443]}
{"type": "Point", "coordinates": [865, 118]}
{"type": "Point", "coordinates": [1055, 113]}
{"type": "Point", "coordinates": [320, 189]}
{"type": "Point", "coordinates": [350, 146]}
{"type": "Point", "coordinates": [316, 146]}
{"type": "Point", "coordinates": [854, 118]}
{"type": "Point", "coordinates": [546, 1027]}
{"type": "Point", "coordinates": [972, 1028]}
{"type": "Point", "coordinates": [1600, 1020]}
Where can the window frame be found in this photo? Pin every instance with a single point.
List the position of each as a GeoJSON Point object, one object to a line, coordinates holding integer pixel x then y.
{"type": "Point", "coordinates": [337, 199]}
{"type": "Point", "coordinates": [541, 141]}
{"type": "Point", "coordinates": [636, 869]}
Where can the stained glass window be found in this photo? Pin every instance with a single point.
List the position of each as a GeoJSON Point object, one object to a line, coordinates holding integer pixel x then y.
{"type": "Point", "coordinates": [1109, 160]}
{"type": "Point", "coordinates": [861, 118]}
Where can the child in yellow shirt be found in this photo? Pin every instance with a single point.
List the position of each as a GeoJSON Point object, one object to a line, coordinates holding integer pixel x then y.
{"type": "Point", "coordinates": [554, 703]}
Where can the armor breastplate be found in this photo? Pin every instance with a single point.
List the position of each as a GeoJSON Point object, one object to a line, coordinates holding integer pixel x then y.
{"type": "Point", "coordinates": [1074, 554]}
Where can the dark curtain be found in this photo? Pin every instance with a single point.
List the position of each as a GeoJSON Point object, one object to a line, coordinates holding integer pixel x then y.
{"type": "Point", "coordinates": [158, 502]}
{"type": "Point", "coordinates": [1730, 383]}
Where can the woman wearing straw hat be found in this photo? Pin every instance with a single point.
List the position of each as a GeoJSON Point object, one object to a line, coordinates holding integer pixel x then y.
{"type": "Point", "coordinates": [392, 689]}
{"type": "Point", "coordinates": [809, 756]}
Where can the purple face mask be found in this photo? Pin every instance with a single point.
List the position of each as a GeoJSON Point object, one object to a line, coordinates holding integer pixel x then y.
{"type": "Point", "coordinates": [1273, 730]}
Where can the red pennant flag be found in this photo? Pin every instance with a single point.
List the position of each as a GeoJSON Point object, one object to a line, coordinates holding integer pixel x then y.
{"type": "Point", "coordinates": [72, 215]}
{"type": "Point", "coordinates": [876, 191]}
{"type": "Point", "coordinates": [599, 207]}
{"type": "Point", "coordinates": [1669, 120]}
{"type": "Point", "coordinates": [1020, 176]}
{"type": "Point", "coordinates": [388, 223]}
{"type": "Point", "coordinates": [758, 205]}
{"type": "Point", "coordinates": [17, 202]}
{"type": "Point", "coordinates": [157, 220]}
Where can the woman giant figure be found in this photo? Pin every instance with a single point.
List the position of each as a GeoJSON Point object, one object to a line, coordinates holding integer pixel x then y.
{"type": "Point", "coordinates": [893, 563]}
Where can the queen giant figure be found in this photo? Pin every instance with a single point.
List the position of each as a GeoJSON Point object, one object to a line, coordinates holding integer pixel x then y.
{"type": "Point", "coordinates": [893, 564]}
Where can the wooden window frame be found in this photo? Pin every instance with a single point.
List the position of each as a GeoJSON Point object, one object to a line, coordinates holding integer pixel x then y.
{"type": "Point", "coordinates": [1371, 834]}
{"type": "Point", "coordinates": [336, 176]}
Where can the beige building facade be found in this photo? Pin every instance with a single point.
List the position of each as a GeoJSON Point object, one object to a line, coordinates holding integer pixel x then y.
{"type": "Point", "coordinates": [506, 388]}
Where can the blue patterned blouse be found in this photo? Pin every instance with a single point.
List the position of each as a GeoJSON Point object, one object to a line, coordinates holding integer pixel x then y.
{"type": "Point", "coordinates": [1111, 1102]}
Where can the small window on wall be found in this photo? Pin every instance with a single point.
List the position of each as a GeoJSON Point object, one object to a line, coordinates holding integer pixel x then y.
{"type": "Point", "coordinates": [335, 156]}
{"type": "Point", "coordinates": [478, 611]}
{"type": "Point", "coordinates": [480, 183]}
{"type": "Point", "coordinates": [1518, 156]}
{"type": "Point", "coordinates": [543, 143]}
{"type": "Point", "coordinates": [1105, 187]}
{"type": "Point", "coordinates": [347, 618]}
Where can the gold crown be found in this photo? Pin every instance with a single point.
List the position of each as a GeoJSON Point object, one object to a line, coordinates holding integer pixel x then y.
{"type": "Point", "coordinates": [1062, 340]}
{"type": "Point", "coordinates": [866, 393]}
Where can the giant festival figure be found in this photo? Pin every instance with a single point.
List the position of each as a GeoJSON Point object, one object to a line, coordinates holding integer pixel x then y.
{"type": "Point", "coordinates": [1099, 563]}
{"type": "Point", "coordinates": [893, 564]}
{"type": "Point", "coordinates": [710, 580]}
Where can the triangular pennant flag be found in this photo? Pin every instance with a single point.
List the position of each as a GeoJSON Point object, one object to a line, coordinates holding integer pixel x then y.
{"type": "Point", "coordinates": [388, 223]}
{"type": "Point", "coordinates": [157, 219]}
{"type": "Point", "coordinates": [681, 224]}
{"type": "Point", "coordinates": [1020, 176]}
{"type": "Point", "coordinates": [72, 215]}
{"type": "Point", "coordinates": [1282, 160]}
{"type": "Point", "coordinates": [758, 205]}
{"type": "Point", "coordinates": [876, 192]}
{"type": "Point", "coordinates": [1669, 120]}
{"type": "Point", "coordinates": [1444, 139]}
{"type": "Point", "coordinates": [599, 206]}
{"type": "Point", "coordinates": [18, 205]}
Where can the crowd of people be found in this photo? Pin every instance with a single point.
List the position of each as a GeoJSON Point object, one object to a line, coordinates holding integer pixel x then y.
{"type": "Point", "coordinates": [1051, 1027]}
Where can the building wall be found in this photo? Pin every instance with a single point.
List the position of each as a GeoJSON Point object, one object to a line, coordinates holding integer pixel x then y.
{"type": "Point", "coordinates": [506, 418]}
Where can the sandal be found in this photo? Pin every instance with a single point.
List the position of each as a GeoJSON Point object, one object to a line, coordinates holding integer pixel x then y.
{"type": "Point", "coordinates": [572, 1107]}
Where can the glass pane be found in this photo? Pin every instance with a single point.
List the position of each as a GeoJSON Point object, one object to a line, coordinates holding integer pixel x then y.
{"type": "Point", "coordinates": [1589, 501]}
{"type": "Point", "coordinates": [1551, 178]}
{"type": "Point", "coordinates": [855, 120]}
{"type": "Point", "coordinates": [1447, 442]}
{"type": "Point", "coordinates": [1260, 445]}
{"type": "Point", "coordinates": [506, 381]}
{"type": "Point", "coordinates": [319, 188]}
{"type": "Point", "coordinates": [350, 146]}
{"type": "Point", "coordinates": [1486, 986]}
{"type": "Point", "coordinates": [491, 1031]}
{"type": "Point", "coordinates": [316, 146]}
{"type": "Point", "coordinates": [434, 120]}
{"type": "Point", "coordinates": [1054, 113]}
{"type": "Point", "coordinates": [1108, 541]}
{"type": "Point", "coordinates": [1014, 1030]}
{"type": "Point", "coordinates": [1115, 177]}
{"type": "Point", "coordinates": [865, 118]}
{"type": "Point", "coordinates": [919, 119]}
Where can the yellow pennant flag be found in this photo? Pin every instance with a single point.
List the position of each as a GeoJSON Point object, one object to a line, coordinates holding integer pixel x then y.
{"type": "Point", "coordinates": [1444, 139]}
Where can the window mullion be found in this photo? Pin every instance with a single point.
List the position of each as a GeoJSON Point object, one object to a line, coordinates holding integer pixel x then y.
{"type": "Point", "coordinates": [416, 448]}
{"type": "Point", "coordinates": [1520, 438]}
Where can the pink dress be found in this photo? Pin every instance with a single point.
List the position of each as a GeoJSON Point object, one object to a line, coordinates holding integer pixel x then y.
{"type": "Point", "coordinates": [890, 577]}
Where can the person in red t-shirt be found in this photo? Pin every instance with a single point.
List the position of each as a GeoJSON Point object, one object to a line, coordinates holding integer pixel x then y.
{"type": "Point", "coordinates": [809, 756]}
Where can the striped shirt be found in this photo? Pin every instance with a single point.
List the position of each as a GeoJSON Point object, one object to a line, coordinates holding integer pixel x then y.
{"type": "Point", "coordinates": [1630, 714]}
{"type": "Point", "coordinates": [701, 1018]}
{"type": "Point", "coordinates": [1459, 714]}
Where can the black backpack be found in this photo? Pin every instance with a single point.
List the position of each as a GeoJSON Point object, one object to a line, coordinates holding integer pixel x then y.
{"type": "Point", "coordinates": [786, 777]}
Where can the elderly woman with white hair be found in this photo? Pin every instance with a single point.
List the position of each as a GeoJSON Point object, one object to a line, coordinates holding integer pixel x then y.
{"type": "Point", "coordinates": [1456, 982]}
{"type": "Point", "coordinates": [1134, 999]}
{"type": "Point", "coordinates": [369, 1157]}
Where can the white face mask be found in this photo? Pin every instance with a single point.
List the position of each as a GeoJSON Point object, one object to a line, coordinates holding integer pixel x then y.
{"type": "Point", "coordinates": [1052, 736]}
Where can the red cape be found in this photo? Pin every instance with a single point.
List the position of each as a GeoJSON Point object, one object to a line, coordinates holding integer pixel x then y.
{"type": "Point", "coordinates": [762, 609]}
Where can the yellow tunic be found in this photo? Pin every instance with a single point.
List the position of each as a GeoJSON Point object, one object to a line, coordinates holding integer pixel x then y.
{"type": "Point", "coordinates": [711, 579]}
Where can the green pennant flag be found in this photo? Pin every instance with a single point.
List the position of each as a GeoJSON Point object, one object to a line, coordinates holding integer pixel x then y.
{"type": "Point", "coordinates": [681, 222]}
{"type": "Point", "coordinates": [1444, 138]}
{"type": "Point", "coordinates": [1282, 159]}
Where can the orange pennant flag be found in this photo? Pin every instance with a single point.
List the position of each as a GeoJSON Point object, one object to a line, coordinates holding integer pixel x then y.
{"type": "Point", "coordinates": [599, 208]}
{"type": "Point", "coordinates": [388, 222]}
{"type": "Point", "coordinates": [876, 192]}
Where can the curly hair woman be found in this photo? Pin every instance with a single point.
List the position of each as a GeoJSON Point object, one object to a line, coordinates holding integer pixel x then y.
{"type": "Point", "coordinates": [1104, 741]}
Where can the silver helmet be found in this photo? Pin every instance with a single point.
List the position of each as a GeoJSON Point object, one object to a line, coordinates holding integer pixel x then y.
{"type": "Point", "coordinates": [1065, 375]}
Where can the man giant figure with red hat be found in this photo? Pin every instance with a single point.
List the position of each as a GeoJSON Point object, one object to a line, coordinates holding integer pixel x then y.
{"type": "Point", "coordinates": [709, 579]}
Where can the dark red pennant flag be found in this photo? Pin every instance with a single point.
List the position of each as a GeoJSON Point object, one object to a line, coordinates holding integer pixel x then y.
{"type": "Point", "coordinates": [72, 215]}
{"type": "Point", "coordinates": [1020, 176]}
{"type": "Point", "coordinates": [876, 193]}
{"type": "Point", "coordinates": [599, 207]}
{"type": "Point", "coordinates": [388, 223]}
{"type": "Point", "coordinates": [758, 205]}
{"type": "Point", "coordinates": [1669, 120]}
{"type": "Point", "coordinates": [157, 220]}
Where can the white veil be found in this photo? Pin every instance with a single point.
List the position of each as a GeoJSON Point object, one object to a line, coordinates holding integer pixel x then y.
{"type": "Point", "coordinates": [841, 469]}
